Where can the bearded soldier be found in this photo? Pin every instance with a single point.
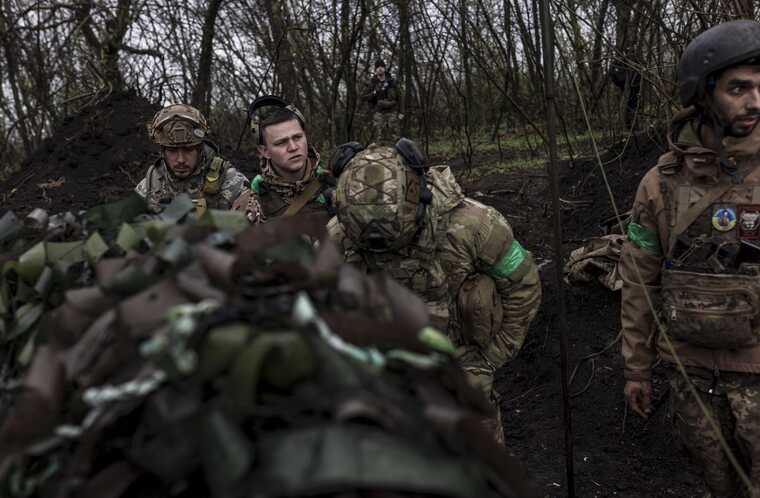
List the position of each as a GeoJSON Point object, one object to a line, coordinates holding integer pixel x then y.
{"type": "Point", "coordinates": [412, 221]}
{"type": "Point", "coordinates": [189, 163]}
{"type": "Point", "coordinates": [292, 178]}
{"type": "Point", "coordinates": [693, 246]}
{"type": "Point", "coordinates": [381, 95]}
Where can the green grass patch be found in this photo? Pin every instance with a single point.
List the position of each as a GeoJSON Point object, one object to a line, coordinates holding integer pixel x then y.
{"type": "Point", "coordinates": [501, 167]}
{"type": "Point", "coordinates": [510, 144]}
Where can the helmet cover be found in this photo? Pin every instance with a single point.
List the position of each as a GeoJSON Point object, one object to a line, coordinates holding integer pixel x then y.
{"type": "Point", "coordinates": [377, 198]}
{"type": "Point", "coordinates": [178, 125]}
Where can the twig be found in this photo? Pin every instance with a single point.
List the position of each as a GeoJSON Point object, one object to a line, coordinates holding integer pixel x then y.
{"type": "Point", "coordinates": [128, 175]}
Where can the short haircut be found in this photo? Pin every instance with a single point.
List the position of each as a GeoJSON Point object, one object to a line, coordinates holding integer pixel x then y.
{"type": "Point", "coordinates": [281, 115]}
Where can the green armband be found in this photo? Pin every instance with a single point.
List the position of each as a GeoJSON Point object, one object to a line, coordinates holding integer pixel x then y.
{"type": "Point", "coordinates": [643, 237]}
{"type": "Point", "coordinates": [509, 262]}
{"type": "Point", "coordinates": [256, 182]}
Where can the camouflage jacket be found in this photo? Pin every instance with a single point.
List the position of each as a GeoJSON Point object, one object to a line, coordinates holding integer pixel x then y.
{"type": "Point", "coordinates": [220, 362]}
{"type": "Point", "coordinates": [381, 95]}
{"type": "Point", "coordinates": [683, 179]}
{"type": "Point", "coordinates": [462, 239]}
{"type": "Point", "coordinates": [270, 195]}
{"type": "Point", "coordinates": [159, 186]}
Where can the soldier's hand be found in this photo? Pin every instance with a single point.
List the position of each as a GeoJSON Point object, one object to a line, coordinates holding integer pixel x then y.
{"type": "Point", "coordinates": [639, 396]}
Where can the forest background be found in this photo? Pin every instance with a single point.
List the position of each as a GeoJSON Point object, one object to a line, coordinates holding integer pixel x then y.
{"type": "Point", "coordinates": [469, 72]}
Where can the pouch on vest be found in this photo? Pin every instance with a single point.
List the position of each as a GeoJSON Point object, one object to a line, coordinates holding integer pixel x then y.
{"type": "Point", "coordinates": [479, 309]}
{"type": "Point", "coordinates": [211, 182]}
{"type": "Point", "coordinates": [716, 311]}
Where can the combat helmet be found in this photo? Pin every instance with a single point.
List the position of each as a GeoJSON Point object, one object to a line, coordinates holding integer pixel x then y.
{"type": "Point", "coordinates": [382, 195]}
{"type": "Point", "coordinates": [178, 125]}
{"type": "Point", "coordinates": [718, 48]}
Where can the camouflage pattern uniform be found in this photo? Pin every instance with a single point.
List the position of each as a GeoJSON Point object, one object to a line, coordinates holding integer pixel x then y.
{"type": "Point", "coordinates": [214, 184]}
{"type": "Point", "coordinates": [160, 186]}
{"type": "Point", "coordinates": [270, 195]}
{"type": "Point", "coordinates": [705, 280]}
{"type": "Point", "coordinates": [381, 95]}
{"type": "Point", "coordinates": [463, 260]}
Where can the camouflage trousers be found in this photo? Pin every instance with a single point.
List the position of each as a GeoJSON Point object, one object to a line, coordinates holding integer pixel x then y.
{"type": "Point", "coordinates": [734, 403]}
{"type": "Point", "coordinates": [385, 127]}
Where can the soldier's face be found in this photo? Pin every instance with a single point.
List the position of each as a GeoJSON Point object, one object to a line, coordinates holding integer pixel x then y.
{"type": "Point", "coordinates": [380, 72]}
{"type": "Point", "coordinates": [737, 99]}
{"type": "Point", "coordinates": [182, 160]}
{"type": "Point", "coordinates": [286, 147]}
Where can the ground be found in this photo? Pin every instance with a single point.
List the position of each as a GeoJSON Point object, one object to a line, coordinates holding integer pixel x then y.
{"type": "Point", "coordinates": [101, 153]}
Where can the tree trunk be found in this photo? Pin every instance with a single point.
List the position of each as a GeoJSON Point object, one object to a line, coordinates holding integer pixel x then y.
{"type": "Point", "coordinates": [405, 65]}
{"type": "Point", "coordinates": [744, 9]}
{"type": "Point", "coordinates": [107, 49]}
{"type": "Point", "coordinates": [11, 63]}
{"type": "Point", "coordinates": [202, 90]}
{"type": "Point", "coordinates": [281, 49]}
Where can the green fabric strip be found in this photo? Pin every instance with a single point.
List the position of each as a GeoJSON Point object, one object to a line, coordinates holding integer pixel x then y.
{"type": "Point", "coordinates": [256, 182]}
{"type": "Point", "coordinates": [509, 262]}
{"type": "Point", "coordinates": [643, 237]}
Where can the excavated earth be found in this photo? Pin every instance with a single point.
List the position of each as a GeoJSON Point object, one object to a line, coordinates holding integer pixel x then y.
{"type": "Point", "coordinates": [99, 155]}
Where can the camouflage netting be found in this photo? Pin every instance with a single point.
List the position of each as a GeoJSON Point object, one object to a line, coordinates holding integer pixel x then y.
{"type": "Point", "coordinates": [178, 357]}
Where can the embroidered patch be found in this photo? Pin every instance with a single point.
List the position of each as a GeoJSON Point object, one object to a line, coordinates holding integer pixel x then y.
{"type": "Point", "coordinates": [724, 218]}
{"type": "Point", "coordinates": [749, 221]}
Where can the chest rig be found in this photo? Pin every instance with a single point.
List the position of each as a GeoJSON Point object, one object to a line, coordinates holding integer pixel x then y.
{"type": "Point", "coordinates": [203, 189]}
{"type": "Point", "coordinates": [711, 273]}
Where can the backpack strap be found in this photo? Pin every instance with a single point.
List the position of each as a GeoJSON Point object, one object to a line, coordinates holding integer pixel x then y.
{"type": "Point", "coordinates": [312, 188]}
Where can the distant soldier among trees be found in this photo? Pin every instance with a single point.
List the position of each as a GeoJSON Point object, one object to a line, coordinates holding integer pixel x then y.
{"type": "Point", "coordinates": [382, 96]}
{"type": "Point", "coordinates": [189, 163]}
{"type": "Point", "coordinates": [693, 246]}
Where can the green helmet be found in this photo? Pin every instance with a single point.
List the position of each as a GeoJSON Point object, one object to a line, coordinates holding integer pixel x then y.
{"type": "Point", "coordinates": [377, 199]}
{"type": "Point", "coordinates": [178, 125]}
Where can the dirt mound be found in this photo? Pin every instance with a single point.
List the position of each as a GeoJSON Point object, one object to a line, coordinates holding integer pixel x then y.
{"type": "Point", "coordinates": [93, 157]}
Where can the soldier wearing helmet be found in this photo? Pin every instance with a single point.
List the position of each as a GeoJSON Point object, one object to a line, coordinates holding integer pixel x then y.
{"type": "Point", "coordinates": [292, 178]}
{"type": "Point", "coordinates": [396, 214]}
{"type": "Point", "coordinates": [189, 163]}
{"type": "Point", "coordinates": [691, 265]}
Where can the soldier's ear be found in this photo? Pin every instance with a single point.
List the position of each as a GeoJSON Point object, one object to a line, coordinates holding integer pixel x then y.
{"type": "Point", "coordinates": [264, 152]}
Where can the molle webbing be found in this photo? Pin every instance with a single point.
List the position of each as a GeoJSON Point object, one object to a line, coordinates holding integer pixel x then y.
{"type": "Point", "coordinates": [308, 194]}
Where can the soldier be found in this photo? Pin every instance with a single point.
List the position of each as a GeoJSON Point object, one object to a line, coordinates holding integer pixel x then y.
{"type": "Point", "coordinates": [397, 215]}
{"type": "Point", "coordinates": [292, 179]}
{"type": "Point", "coordinates": [189, 163]}
{"type": "Point", "coordinates": [692, 245]}
{"type": "Point", "coordinates": [383, 103]}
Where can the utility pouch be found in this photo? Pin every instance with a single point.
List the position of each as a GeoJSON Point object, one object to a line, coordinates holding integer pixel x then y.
{"type": "Point", "coordinates": [716, 311]}
{"type": "Point", "coordinates": [480, 310]}
{"type": "Point", "coordinates": [211, 182]}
